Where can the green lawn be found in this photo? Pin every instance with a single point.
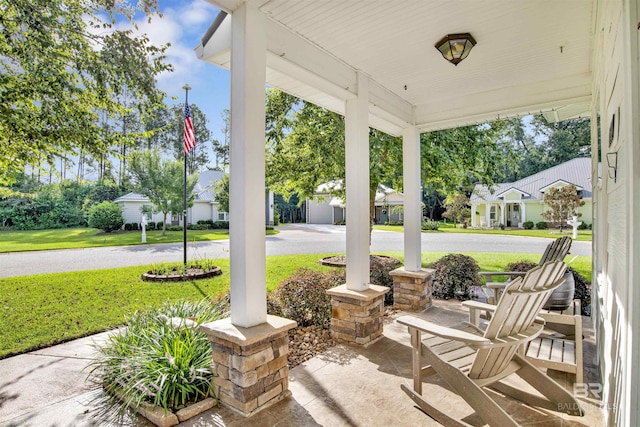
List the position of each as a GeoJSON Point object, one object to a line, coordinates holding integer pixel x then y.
{"type": "Point", "coordinates": [42, 310]}
{"type": "Point", "coordinates": [583, 235]}
{"type": "Point", "coordinates": [67, 238]}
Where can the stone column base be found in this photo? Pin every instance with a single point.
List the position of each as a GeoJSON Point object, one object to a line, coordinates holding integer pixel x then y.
{"type": "Point", "coordinates": [250, 364]}
{"type": "Point", "coordinates": [412, 289]}
{"type": "Point", "coordinates": [356, 316]}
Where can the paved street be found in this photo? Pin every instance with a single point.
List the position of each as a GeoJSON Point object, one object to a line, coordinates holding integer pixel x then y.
{"type": "Point", "coordinates": [293, 239]}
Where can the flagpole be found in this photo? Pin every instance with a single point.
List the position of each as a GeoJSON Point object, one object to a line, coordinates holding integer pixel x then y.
{"type": "Point", "coordinates": [184, 214]}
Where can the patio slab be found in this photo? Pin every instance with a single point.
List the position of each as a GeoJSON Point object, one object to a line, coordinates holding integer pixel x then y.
{"type": "Point", "coordinates": [345, 386]}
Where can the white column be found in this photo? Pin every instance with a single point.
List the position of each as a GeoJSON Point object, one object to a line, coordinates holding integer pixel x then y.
{"type": "Point", "coordinates": [523, 212]}
{"type": "Point", "coordinates": [473, 215]}
{"type": "Point", "coordinates": [271, 208]}
{"type": "Point", "coordinates": [488, 213]}
{"type": "Point", "coordinates": [412, 208]}
{"type": "Point", "coordinates": [357, 188]}
{"type": "Point", "coordinates": [247, 168]}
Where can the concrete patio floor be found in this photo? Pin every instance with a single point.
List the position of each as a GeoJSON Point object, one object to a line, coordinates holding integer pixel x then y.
{"type": "Point", "coordinates": [346, 386]}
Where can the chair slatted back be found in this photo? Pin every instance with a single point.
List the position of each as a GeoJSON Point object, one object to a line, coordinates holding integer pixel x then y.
{"type": "Point", "coordinates": [515, 314]}
{"type": "Point", "coordinates": [556, 250]}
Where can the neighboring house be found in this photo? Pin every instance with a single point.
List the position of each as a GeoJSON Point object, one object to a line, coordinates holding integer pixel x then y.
{"type": "Point", "coordinates": [204, 207]}
{"type": "Point", "coordinates": [324, 208]}
{"type": "Point", "coordinates": [514, 203]}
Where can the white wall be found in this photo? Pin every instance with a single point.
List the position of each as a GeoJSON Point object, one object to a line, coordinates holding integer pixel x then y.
{"type": "Point", "coordinates": [616, 270]}
{"type": "Point", "coordinates": [319, 211]}
{"type": "Point", "coordinates": [131, 212]}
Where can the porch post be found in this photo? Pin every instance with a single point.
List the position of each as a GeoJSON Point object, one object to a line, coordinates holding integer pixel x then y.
{"type": "Point", "coordinates": [473, 215]}
{"type": "Point", "coordinates": [488, 213]}
{"type": "Point", "coordinates": [357, 188]}
{"type": "Point", "coordinates": [523, 213]}
{"type": "Point", "coordinates": [247, 167]}
{"type": "Point", "coordinates": [412, 209]}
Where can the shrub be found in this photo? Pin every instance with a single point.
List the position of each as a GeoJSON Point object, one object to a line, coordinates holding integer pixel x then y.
{"type": "Point", "coordinates": [523, 266]}
{"type": "Point", "coordinates": [197, 227]}
{"type": "Point", "coordinates": [303, 296]}
{"type": "Point", "coordinates": [380, 268]}
{"type": "Point", "coordinates": [220, 225]}
{"type": "Point", "coordinates": [127, 227]}
{"type": "Point", "coordinates": [174, 228]}
{"type": "Point", "coordinates": [430, 225]}
{"type": "Point", "coordinates": [268, 228]}
{"type": "Point", "coordinates": [582, 292]}
{"type": "Point", "coordinates": [153, 361]}
{"type": "Point", "coordinates": [134, 226]}
{"type": "Point", "coordinates": [454, 275]}
{"type": "Point", "coordinates": [151, 225]}
{"type": "Point", "coordinates": [206, 222]}
{"type": "Point", "coordinates": [159, 225]}
{"type": "Point", "coordinates": [584, 226]}
{"type": "Point", "coordinates": [106, 216]}
{"type": "Point", "coordinates": [527, 225]}
{"type": "Point", "coordinates": [541, 225]}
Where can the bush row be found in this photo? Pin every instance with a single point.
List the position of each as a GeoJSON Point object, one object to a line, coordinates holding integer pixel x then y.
{"type": "Point", "coordinates": [212, 225]}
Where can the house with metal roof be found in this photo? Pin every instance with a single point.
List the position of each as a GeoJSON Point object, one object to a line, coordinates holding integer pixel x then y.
{"type": "Point", "coordinates": [327, 208]}
{"type": "Point", "coordinates": [514, 203]}
{"type": "Point", "coordinates": [204, 207]}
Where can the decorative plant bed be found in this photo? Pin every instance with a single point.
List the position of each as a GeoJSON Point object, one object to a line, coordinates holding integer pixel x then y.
{"type": "Point", "coordinates": [341, 260]}
{"type": "Point", "coordinates": [158, 416]}
{"type": "Point", "coordinates": [192, 273]}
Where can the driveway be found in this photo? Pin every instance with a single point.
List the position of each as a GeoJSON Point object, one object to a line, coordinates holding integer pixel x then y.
{"type": "Point", "coordinates": [293, 239]}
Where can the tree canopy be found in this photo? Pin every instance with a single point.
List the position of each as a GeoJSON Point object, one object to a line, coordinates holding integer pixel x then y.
{"type": "Point", "coordinates": [161, 180]}
{"type": "Point", "coordinates": [62, 66]}
{"type": "Point", "coordinates": [562, 203]}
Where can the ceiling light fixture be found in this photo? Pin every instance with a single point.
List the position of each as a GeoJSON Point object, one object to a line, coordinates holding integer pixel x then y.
{"type": "Point", "coordinates": [455, 47]}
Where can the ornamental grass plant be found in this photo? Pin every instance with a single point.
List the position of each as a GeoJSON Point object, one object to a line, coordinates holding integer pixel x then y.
{"type": "Point", "coordinates": [153, 361]}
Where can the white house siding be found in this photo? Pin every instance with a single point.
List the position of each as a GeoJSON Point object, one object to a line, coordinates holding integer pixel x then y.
{"type": "Point", "coordinates": [131, 212]}
{"type": "Point", "coordinates": [616, 270]}
{"type": "Point", "coordinates": [201, 211]}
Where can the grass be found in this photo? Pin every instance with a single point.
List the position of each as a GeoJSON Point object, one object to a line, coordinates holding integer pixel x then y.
{"type": "Point", "coordinates": [583, 235]}
{"type": "Point", "coordinates": [68, 238]}
{"type": "Point", "coordinates": [42, 310]}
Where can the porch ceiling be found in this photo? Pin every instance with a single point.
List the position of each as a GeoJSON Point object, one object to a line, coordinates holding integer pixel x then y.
{"type": "Point", "coordinates": [531, 56]}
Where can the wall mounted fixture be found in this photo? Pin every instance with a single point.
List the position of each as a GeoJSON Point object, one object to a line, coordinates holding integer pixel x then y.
{"type": "Point", "coordinates": [612, 163]}
{"type": "Point", "coordinates": [456, 47]}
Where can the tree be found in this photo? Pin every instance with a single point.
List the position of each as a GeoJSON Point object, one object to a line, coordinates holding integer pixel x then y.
{"type": "Point", "coordinates": [161, 180]}
{"type": "Point", "coordinates": [305, 148]}
{"type": "Point", "coordinates": [106, 216]}
{"type": "Point", "coordinates": [222, 193]}
{"type": "Point", "coordinates": [174, 134]}
{"type": "Point", "coordinates": [457, 208]}
{"type": "Point", "coordinates": [563, 202]}
{"type": "Point", "coordinates": [60, 66]}
{"type": "Point", "coordinates": [221, 149]}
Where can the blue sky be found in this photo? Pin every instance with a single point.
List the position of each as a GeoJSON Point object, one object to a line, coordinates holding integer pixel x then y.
{"type": "Point", "coordinates": [183, 24]}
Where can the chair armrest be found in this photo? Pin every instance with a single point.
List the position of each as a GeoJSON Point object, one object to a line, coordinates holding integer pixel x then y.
{"type": "Point", "coordinates": [444, 332]}
{"type": "Point", "coordinates": [475, 307]}
{"type": "Point", "coordinates": [502, 273]}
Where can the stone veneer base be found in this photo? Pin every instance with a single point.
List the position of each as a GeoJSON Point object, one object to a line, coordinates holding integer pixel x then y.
{"type": "Point", "coordinates": [412, 289]}
{"type": "Point", "coordinates": [356, 316]}
{"type": "Point", "coordinates": [250, 364]}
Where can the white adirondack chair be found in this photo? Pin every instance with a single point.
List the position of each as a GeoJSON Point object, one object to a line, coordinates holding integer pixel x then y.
{"type": "Point", "coordinates": [470, 359]}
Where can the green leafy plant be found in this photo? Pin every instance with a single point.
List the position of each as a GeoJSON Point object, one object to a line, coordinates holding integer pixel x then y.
{"type": "Point", "coordinates": [527, 225]}
{"type": "Point", "coordinates": [430, 225]}
{"type": "Point", "coordinates": [380, 268]}
{"type": "Point", "coordinates": [303, 296]}
{"type": "Point", "coordinates": [156, 362]}
{"type": "Point", "coordinates": [106, 216]}
{"type": "Point", "coordinates": [541, 225]}
{"type": "Point", "coordinates": [454, 275]}
{"type": "Point", "coordinates": [523, 266]}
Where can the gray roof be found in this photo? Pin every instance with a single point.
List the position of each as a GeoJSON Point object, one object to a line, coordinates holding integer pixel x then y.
{"type": "Point", "coordinates": [576, 172]}
{"type": "Point", "coordinates": [132, 197]}
{"type": "Point", "coordinates": [204, 188]}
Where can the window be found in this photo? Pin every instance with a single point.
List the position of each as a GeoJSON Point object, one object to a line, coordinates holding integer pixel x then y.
{"type": "Point", "coordinates": [222, 216]}
{"type": "Point", "coordinates": [492, 213]}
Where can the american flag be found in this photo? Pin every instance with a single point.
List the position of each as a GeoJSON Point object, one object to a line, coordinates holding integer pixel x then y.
{"type": "Point", "coordinates": [189, 137]}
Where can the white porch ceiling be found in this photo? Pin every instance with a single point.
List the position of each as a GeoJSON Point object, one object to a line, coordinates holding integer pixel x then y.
{"type": "Point", "coordinates": [532, 56]}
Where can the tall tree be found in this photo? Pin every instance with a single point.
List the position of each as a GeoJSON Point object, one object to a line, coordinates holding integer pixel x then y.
{"type": "Point", "coordinates": [60, 64]}
{"type": "Point", "coordinates": [562, 203]}
{"type": "Point", "coordinates": [221, 148]}
{"type": "Point", "coordinates": [161, 180]}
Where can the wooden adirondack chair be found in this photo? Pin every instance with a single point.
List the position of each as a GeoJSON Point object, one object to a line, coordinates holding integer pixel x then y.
{"type": "Point", "coordinates": [555, 251]}
{"type": "Point", "coordinates": [470, 359]}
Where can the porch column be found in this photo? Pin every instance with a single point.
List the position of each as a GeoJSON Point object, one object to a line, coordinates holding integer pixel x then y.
{"type": "Point", "coordinates": [357, 188]}
{"type": "Point", "coordinates": [523, 212]}
{"type": "Point", "coordinates": [412, 209]}
{"type": "Point", "coordinates": [502, 208]}
{"type": "Point", "coordinates": [247, 167]}
{"type": "Point", "coordinates": [473, 215]}
{"type": "Point", "coordinates": [488, 214]}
